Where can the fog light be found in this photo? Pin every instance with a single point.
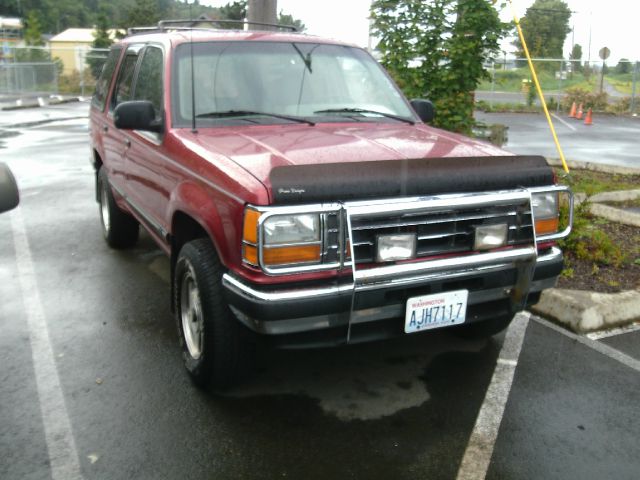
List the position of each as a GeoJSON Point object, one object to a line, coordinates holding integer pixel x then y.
{"type": "Point", "coordinates": [396, 247]}
{"type": "Point", "coordinates": [490, 236]}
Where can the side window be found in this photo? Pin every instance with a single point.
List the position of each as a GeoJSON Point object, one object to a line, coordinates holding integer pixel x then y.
{"type": "Point", "coordinates": [124, 84]}
{"type": "Point", "coordinates": [149, 81]}
{"type": "Point", "coordinates": [103, 83]}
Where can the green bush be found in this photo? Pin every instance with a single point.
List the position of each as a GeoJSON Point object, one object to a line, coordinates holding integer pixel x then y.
{"type": "Point", "coordinates": [621, 106]}
{"type": "Point", "coordinates": [70, 84]}
{"type": "Point", "coordinates": [596, 101]}
{"type": "Point", "coordinates": [587, 242]}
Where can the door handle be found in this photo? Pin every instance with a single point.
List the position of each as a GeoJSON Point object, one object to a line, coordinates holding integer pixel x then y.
{"type": "Point", "coordinates": [127, 142]}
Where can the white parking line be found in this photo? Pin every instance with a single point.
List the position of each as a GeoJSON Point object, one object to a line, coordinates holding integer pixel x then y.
{"type": "Point", "coordinates": [564, 122]}
{"type": "Point", "coordinates": [634, 327]}
{"type": "Point", "coordinates": [603, 348]}
{"type": "Point", "coordinates": [477, 456]}
{"type": "Point", "coordinates": [63, 457]}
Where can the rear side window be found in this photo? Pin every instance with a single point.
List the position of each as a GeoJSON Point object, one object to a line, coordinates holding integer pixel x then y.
{"type": "Point", "coordinates": [124, 84]}
{"type": "Point", "coordinates": [149, 81]}
{"type": "Point", "coordinates": [103, 83]}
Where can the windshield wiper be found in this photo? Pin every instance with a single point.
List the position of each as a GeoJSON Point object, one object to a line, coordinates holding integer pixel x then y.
{"type": "Point", "coordinates": [240, 113]}
{"type": "Point", "coordinates": [364, 110]}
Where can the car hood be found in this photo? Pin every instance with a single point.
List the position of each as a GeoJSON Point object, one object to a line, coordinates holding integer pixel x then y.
{"type": "Point", "coordinates": [260, 149]}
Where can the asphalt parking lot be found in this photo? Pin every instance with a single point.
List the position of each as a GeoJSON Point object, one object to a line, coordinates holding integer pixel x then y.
{"type": "Point", "coordinates": [610, 140]}
{"type": "Point", "coordinates": [92, 384]}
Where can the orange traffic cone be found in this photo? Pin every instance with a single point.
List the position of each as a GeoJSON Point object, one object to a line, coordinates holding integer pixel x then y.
{"type": "Point", "coordinates": [572, 113]}
{"type": "Point", "coordinates": [580, 113]}
{"type": "Point", "coordinates": [589, 118]}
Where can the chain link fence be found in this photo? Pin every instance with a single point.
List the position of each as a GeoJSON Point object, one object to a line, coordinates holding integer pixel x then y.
{"type": "Point", "coordinates": [35, 71]}
{"type": "Point", "coordinates": [610, 88]}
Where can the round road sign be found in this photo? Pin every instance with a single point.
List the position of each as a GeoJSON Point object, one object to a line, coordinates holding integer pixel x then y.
{"type": "Point", "coordinates": [604, 53]}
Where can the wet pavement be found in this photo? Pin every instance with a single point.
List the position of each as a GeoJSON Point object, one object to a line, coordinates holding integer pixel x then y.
{"type": "Point", "coordinates": [405, 408]}
{"type": "Point", "coordinates": [610, 140]}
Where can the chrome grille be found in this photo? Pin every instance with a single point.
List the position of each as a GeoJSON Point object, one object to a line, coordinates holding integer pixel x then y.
{"type": "Point", "coordinates": [440, 231]}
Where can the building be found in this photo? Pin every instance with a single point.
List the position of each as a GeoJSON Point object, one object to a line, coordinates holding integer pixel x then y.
{"type": "Point", "coordinates": [72, 47]}
{"type": "Point", "coordinates": [10, 37]}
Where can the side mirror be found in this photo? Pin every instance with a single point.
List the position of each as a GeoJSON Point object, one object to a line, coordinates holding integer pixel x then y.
{"type": "Point", "coordinates": [425, 109]}
{"type": "Point", "coordinates": [9, 196]}
{"type": "Point", "coordinates": [137, 115]}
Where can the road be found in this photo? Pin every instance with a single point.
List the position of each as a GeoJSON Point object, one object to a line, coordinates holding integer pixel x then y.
{"type": "Point", "coordinates": [610, 140]}
{"type": "Point", "coordinates": [92, 385]}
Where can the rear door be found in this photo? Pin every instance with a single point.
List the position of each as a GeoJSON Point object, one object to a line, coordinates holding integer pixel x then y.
{"type": "Point", "coordinates": [97, 114]}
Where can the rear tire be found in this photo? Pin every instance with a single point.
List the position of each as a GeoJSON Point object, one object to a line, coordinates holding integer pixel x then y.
{"type": "Point", "coordinates": [216, 348]}
{"type": "Point", "coordinates": [120, 229]}
{"type": "Point", "coordinates": [484, 328]}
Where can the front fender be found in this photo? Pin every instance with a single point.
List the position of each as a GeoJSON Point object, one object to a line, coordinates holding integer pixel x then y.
{"type": "Point", "coordinates": [219, 215]}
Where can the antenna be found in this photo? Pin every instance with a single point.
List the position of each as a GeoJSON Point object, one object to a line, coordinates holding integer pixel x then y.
{"type": "Point", "coordinates": [193, 83]}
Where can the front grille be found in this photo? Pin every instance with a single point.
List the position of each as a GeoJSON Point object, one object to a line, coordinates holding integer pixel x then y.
{"type": "Point", "coordinates": [442, 231]}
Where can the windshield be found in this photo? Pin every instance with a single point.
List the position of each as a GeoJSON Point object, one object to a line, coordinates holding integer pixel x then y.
{"type": "Point", "coordinates": [315, 81]}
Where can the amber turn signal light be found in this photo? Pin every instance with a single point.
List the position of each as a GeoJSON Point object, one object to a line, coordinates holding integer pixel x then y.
{"type": "Point", "coordinates": [250, 228]}
{"type": "Point", "coordinates": [291, 255]}
{"type": "Point", "coordinates": [546, 226]}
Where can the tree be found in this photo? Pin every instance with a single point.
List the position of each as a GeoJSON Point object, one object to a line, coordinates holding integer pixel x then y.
{"type": "Point", "coordinates": [143, 13]}
{"type": "Point", "coordinates": [286, 19]}
{"type": "Point", "coordinates": [437, 50]}
{"type": "Point", "coordinates": [33, 30]}
{"type": "Point", "coordinates": [624, 66]}
{"type": "Point", "coordinates": [545, 26]}
{"type": "Point", "coordinates": [576, 56]}
{"type": "Point", "coordinates": [238, 11]}
{"type": "Point", "coordinates": [32, 38]}
{"type": "Point", "coordinates": [101, 40]}
{"type": "Point", "coordinates": [233, 11]}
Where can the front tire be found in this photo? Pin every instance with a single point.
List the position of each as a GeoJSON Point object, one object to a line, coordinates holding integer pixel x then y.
{"type": "Point", "coordinates": [215, 347]}
{"type": "Point", "coordinates": [120, 229]}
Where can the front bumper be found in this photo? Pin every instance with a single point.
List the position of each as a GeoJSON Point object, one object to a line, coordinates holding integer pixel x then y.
{"type": "Point", "coordinates": [321, 314]}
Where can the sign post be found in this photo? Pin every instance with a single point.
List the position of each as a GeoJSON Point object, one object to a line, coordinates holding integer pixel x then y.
{"type": "Point", "coordinates": [604, 54]}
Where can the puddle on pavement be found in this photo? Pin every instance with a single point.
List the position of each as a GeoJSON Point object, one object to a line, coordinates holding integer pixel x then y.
{"type": "Point", "coordinates": [360, 382]}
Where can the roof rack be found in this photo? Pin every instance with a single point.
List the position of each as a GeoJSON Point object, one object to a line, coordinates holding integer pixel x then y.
{"type": "Point", "coordinates": [197, 24]}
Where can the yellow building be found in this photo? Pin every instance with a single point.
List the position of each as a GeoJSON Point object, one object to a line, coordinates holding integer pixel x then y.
{"type": "Point", "coordinates": [72, 47]}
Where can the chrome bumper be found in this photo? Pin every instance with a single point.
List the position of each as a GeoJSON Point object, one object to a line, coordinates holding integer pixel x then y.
{"type": "Point", "coordinates": [380, 279]}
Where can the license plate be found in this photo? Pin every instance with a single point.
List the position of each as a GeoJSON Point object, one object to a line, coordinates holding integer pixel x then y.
{"type": "Point", "coordinates": [435, 311]}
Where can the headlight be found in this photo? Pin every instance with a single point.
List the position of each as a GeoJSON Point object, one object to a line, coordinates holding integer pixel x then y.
{"type": "Point", "coordinates": [292, 239]}
{"type": "Point", "coordinates": [283, 229]}
{"type": "Point", "coordinates": [545, 212]}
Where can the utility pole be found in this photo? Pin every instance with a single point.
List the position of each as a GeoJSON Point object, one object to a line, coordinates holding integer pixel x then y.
{"type": "Point", "coordinates": [262, 11]}
{"type": "Point", "coordinates": [633, 90]}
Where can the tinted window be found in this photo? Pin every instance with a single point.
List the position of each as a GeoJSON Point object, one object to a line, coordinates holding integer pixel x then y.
{"type": "Point", "coordinates": [124, 85]}
{"type": "Point", "coordinates": [149, 81]}
{"type": "Point", "coordinates": [103, 83]}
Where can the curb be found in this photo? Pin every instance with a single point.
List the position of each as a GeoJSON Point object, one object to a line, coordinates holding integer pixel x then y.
{"type": "Point", "coordinates": [583, 311]}
{"type": "Point", "coordinates": [615, 196]}
{"type": "Point", "coordinates": [42, 102]}
{"type": "Point", "coordinates": [616, 214]}
{"type": "Point", "coordinates": [596, 167]}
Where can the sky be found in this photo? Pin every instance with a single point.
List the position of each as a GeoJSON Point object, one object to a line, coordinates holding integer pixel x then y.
{"type": "Point", "coordinates": [612, 23]}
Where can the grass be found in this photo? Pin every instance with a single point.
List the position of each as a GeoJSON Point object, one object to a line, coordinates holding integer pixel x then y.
{"type": "Point", "coordinates": [590, 182]}
{"type": "Point", "coordinates": [589, 241]}
{"type": "Point", "coordinates": [620, 84]}
{"type": "Point", "coordinates": [511, 81]}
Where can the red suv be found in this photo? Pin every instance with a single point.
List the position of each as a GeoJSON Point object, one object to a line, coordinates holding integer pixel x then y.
{"type": "Point", "coordinates": [301, 197]}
